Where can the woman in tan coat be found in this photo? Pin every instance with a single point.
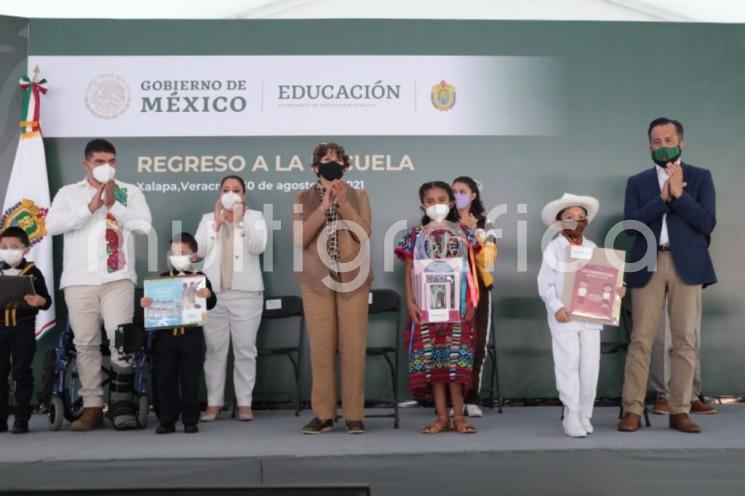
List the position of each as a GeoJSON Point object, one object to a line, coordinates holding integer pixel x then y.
{"type": "Point", "coordinates": [331, 224]}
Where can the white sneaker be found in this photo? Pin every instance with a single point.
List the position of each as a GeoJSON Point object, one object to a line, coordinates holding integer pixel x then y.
{"type": "Point", "coordinates": [473, 410]}
{"type": "Point", "coordinates": [586, 425]}
{"type": "Point", "coordinates": [573, 425]}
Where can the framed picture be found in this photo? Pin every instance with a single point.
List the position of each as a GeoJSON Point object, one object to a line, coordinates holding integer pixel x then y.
{"type": "Point", "coordinates": [437, 288]}
{"type": "Point", "coordinates": [175, 303]}
{"type": "Point", "coordinates": [591, 291]}
{"type": "Point", "coordinates": [439, 302]}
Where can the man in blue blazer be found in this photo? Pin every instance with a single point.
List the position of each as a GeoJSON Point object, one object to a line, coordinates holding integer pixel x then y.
{"type": "Point", "coordinates": [673, 206]}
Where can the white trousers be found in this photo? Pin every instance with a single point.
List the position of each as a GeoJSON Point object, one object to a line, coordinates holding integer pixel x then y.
{"type": "Point", "coordinates": [236, 318]}
{"type": "Point", "coordinates": [576, 366]}
{"type": "Point", "coordinates": [87, 306]}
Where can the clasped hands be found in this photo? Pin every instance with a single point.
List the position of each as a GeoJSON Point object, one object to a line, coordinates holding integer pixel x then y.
{"type": "Point", "coordinates": [105, 195]}
{"type": "Point", "coordinates": [674, 185]}
{"type": "Point", "coordinates": [337, 192]}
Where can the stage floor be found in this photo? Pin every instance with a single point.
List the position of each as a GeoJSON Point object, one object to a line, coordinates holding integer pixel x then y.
{"type": "Point", "coordinates": [277, 433]}
{"type": "Point", "coordinates": [523, 449]}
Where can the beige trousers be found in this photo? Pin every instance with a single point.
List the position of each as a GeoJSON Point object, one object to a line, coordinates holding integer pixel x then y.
{"type": "Point", "coordinates": [88, 306]}
{"type": "Point", "coordinates": [337, 322]}
{"type": "Point", "coordinates": [683, 301]}
{"type": "Point", "coordinates": [659, 374]}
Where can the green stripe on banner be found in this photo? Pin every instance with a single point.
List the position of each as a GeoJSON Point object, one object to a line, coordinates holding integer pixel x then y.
{"type": "Point", "coordinates": [25, 102]}
{"type": "Point", "coordinates": [327, 36]}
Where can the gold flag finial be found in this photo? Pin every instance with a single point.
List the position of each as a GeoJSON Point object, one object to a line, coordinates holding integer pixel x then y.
{"type": "Point", "coordinates": [36, 74]}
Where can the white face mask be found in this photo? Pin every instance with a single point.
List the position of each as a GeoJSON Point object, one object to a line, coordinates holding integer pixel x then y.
{"type": "Point", "coordinates": [11, 257]}
{"type": "Point", "coordinates": [229, 199]}
{"type": "Point", "coordinates": [104, 173]}
{"type": "Point", "coordinates": [438, 212]}
{"type": "Point", "coordinates": [182, 263]}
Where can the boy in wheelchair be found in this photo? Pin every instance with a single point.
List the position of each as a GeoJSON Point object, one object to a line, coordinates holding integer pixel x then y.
{"type": "Point", "coordinates": [179, 352]}
{"type": "Point", "coordinates": [18, 328]}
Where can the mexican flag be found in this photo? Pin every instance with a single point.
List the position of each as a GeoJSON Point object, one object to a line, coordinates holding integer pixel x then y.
{"type": "Point", "coordinates": [27, 196]}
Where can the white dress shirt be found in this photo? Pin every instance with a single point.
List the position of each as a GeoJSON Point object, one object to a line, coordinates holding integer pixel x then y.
{"type": "Point", "coordinates": [662, 176]}
{"type": "Point", "coordinates": [551, 284]}
{"type": "Point", "coordinates": [84, 257]}
{"type": "Point", "coordinates": [249, 241]}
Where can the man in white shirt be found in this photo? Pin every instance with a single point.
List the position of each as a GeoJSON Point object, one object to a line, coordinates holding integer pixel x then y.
{"type": "Point", "coordinates": [98, 217]}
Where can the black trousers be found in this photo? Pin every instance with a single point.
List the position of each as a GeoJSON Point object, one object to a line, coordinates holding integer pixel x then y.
{"type": "Point", "coordinates": [473, 396]}
{"type": "Point", "coordinates": [17, 344]}
{"type": "Point", "coordinates": [178, 367]}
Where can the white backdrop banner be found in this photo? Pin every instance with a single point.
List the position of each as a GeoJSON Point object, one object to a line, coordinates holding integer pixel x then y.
{"type": "Point", "coordinates": [145, 96]}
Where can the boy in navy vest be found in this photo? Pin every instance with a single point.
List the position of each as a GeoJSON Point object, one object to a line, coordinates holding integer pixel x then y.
{"type": "Point", "coordinates": [18, 328]}
{"type": "Point", "coordinates": [179, 352]}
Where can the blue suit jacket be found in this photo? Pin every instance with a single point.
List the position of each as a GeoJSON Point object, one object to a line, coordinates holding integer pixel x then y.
{"type": "Point", "coordinates": [690, 221]}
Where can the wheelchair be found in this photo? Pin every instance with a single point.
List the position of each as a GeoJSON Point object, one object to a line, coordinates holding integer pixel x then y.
{"type": "Point", "coordinates": [61, 384]}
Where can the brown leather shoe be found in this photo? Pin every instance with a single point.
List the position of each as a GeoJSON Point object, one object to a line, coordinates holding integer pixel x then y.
{"type": "Point", "coordinates": [661, 407]}
{"type": "Point", "coordinates": [683, 423]}
{"type": "Point", "coordinates": [355, 427]}
{"type": "Point", "coordinates": [92, 418]}
{"type": "Point", "coordinates": [699, 406]}
{"type": "Point", "coordinates": [630, 422]}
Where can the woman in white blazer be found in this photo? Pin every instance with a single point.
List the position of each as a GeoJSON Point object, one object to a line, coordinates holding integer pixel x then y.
{"type": "Point", "coordinates": [230, 240]}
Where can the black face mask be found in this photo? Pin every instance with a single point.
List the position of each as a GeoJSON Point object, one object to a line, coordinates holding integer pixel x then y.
{"type": "Point", "coordinates": [331, 170]}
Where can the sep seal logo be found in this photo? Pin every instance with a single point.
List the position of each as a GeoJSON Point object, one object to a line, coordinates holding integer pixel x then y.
{"type": "Point", "coordinates": [108, 96]}
{"type": "Point", "coordinates": [443, 96]}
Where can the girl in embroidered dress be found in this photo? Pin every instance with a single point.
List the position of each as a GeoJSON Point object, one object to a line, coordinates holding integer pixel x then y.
{"type": "Point", "coordinates": [440, 354]}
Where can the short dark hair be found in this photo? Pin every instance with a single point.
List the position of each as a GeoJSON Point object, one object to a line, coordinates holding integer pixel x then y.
{"type": "Point", "coordinates": [16, 232]}
{"type": "Point", "coordinates": [98, 145]}
{"type": "Point", "coordinates": [187, 239]}
{"type": "Point", "coordinates": [236, 178]}
{"type": "Point", "coordinates": [664, 121]}
{"type": "Point", "coordinates": [322, 149]}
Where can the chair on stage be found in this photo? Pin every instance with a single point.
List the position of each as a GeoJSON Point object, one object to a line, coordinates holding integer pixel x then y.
{"type": "Point", "coordinates": [387, 301]}
{"type": "Point", "coordinates": [284, 307]}
{"type": "Point", "coordinates": [494, 389]}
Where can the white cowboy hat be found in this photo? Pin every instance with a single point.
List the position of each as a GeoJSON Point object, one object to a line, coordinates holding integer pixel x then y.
{"type": "Point", "coordinates": [552, 209]}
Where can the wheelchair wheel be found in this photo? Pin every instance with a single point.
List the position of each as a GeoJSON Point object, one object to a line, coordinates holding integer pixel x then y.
{"type": "Point", "coordinates": [73, 402]}
{"type": "Point", "coordinates": [143, 408]}
{"type": "Point", "coordinates": [56, 413]}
